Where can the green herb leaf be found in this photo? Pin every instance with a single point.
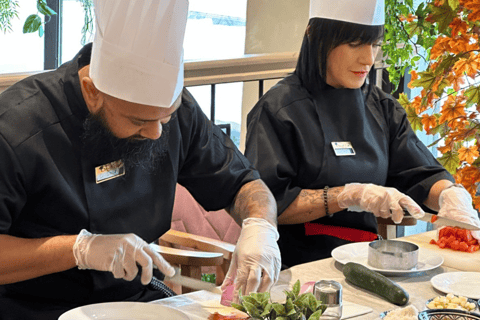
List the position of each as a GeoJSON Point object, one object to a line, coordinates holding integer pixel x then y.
{"type": "Point", "coordinates": [315, 316]}
{"type": "Point", "coordinates": [238, 307]}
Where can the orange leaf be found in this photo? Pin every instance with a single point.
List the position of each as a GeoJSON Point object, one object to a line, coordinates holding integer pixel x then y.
{"type": "Point", "coordinates": [468, 154]}
{"type": "Point", "coordinates": [451, 111]}
{"type": "Point", "coordinates": [429, 121]}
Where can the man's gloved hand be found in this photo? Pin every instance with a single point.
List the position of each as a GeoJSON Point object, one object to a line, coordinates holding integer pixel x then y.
{"type": "Point", "coordinates": [119, 254]}
{"type": "Point", "coordinates": [456, 203]}
{"type": "Point", "coordinates": [256, 260]}
{"type": "Point", "coordinates": [381, 201]}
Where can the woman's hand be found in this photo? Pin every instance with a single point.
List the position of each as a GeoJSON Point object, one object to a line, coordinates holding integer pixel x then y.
{"type": "Point", "coordinates": [456, 203]}
{"type": "Point", "coordinates": [381, 201]}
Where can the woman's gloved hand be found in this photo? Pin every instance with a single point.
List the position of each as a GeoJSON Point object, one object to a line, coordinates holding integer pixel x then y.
{"type": "Point", "coordinates": [121, 254]}
{"type": "Point", "coordinates": [381, 201]}
{"type": "Point", "coordinates": [256, 261]}
{"type": "Point", "coordinates": [456, 203]}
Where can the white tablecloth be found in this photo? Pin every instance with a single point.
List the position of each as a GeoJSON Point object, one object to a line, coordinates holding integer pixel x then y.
{"type": "Point", "coordinates": [199, 305]}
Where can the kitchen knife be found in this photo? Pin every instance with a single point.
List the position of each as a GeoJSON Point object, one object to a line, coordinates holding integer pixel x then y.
{"type": "Point", "coordinates": [441, 221]}
{"type": "Point", "coordinates": [191, 282]}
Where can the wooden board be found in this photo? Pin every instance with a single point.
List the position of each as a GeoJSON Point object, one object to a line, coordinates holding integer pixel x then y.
{"type": "Point", "coordinates": [455, 259]}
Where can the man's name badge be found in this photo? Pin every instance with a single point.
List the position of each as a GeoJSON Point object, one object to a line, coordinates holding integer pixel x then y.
{"type": "Point", "coordinates": [343, 148]}
{"type": "Point", "coordinates": [109, 171]}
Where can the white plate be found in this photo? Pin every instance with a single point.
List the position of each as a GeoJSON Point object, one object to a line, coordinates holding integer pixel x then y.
{"type": "Point", "coordinates": [358, 252]}
{"type": "Point", "coordinates": [123, 311]}
{"type": "Point", "coordinates": [465, 284]}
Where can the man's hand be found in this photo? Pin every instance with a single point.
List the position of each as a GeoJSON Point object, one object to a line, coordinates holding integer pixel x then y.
{"type": "Point", "coordinates": [119, 254]}
{"type": "Point", "coordinates": [456, 203]}
{"type": "Point", "coordinates": [381, 201]}
{"type": "Point", "coordinates": [256, 260]}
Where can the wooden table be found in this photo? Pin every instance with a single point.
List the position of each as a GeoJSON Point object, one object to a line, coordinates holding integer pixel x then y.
{"type": "Point", "coordinates": [198, 305]}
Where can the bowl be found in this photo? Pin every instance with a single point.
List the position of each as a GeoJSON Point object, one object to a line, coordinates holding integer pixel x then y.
{"type": "Point", "coordinates": [468, 299]}
{"type": "Point", "coordinates": [392, 255]}
{"type": "Point", "coordinates": [447, 314]}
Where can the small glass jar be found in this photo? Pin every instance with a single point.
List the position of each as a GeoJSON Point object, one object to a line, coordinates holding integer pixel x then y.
{"type": "Point", "coordinates": [329, 292]}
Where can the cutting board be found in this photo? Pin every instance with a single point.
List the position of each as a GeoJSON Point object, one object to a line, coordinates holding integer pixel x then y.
{"type": "Point", "coordinates": [463, 261]}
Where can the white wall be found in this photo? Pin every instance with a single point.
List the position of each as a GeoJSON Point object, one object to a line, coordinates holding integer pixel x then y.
{"type": "Point", "coordinates": [272, 26]}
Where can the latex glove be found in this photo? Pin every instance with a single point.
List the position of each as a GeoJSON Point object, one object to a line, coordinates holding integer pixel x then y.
{"type": "Point", "coordinates": [120, 254]}
{"type": "Point", "coordinates": [383, 202]}
{"type": "Point", "coordinates": [256, 260]}
{"type": "Point", "coordinates": [456, 203]}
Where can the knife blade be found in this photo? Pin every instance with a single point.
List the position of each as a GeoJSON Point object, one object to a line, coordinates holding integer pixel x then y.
{"type": "Point", "coordinates": [191, 282]}
{"type": "Point", "coordinates": [442, 221]}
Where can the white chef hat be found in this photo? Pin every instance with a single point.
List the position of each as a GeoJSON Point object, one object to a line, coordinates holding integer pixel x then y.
{"type": "Point", "coordinates": [368, 12]}
{"type": "Point", "coordinates": [137, 52]}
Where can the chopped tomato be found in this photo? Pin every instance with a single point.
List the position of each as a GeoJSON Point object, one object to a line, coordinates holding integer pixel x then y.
{"type": "Point", "coordinates": [218, 316]}
{"type": "Point", "coordinates": [456, 239]}
{"type": "Point", "coordinates": [473, 248]}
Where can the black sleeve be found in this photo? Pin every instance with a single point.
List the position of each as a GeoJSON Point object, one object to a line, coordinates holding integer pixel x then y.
{"type": "Point", "coordinates": [12, 192]}
{"type": "Point", "coordinates": [214, 169]}
{"type": "Point", "coordinates": [270, 148]}
{"type": "Point", "coordinates": [412, 167]}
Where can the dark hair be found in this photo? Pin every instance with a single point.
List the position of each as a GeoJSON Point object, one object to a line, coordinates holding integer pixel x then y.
{"type": "Point", "coordinates": [321, 37]}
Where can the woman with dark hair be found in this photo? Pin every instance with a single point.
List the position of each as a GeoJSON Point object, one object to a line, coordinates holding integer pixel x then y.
{"type": "Point", "coordinates": [336, 151]}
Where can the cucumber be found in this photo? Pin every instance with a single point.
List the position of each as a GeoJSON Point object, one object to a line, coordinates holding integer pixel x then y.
{"type": "Point", "coordinates": [375, 282]}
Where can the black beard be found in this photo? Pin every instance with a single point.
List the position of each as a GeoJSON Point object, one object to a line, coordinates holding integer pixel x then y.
{"type": "Point", "coordinates": [101, 146]}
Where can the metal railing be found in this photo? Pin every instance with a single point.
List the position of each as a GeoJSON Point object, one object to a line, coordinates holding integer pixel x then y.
{"type": "Point", "coordinates": [254, 67]}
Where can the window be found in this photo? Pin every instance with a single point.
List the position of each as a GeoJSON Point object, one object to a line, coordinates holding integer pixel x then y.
{"type": "Point", "coordinates": [215, 30]}
{"type": "Point", "coordinates": [21, 52]}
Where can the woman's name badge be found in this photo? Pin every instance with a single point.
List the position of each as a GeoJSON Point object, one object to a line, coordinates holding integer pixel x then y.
{"type": "Point", "coordinates": [109, 171]}
{"type": "Point", "coordinates": [343, 148]}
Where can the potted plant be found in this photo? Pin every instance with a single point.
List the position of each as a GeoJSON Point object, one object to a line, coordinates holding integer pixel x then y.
{"type": "Point", "coordinates": [296, 307]}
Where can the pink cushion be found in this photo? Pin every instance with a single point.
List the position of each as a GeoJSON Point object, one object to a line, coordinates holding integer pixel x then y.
{"type": "Point", "coordinates": [189, 216]}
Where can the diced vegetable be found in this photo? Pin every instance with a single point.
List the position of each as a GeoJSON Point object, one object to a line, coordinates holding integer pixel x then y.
{"type": "Point", "coordinates": [456, 239]}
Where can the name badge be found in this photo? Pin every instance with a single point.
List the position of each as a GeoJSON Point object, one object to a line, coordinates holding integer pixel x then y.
{"type": "Point", "coordinates": [109, 171]}
{"type": "Point", "coordinates": [343, 148]}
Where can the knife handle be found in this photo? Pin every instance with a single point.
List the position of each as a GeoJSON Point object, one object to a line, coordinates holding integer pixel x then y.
{"type": "Point", "coordinates": [158, 285]}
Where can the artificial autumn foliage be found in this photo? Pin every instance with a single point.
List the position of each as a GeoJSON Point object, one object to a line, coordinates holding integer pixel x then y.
{"type": "Point", "coordinates": [448, 106]}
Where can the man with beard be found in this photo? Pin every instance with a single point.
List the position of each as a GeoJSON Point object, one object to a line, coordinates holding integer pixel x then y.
{"type": "Point", "coordinates": [90, 156]}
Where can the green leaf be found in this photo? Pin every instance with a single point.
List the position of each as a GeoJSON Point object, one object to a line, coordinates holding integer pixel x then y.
{"type": "Point", "coordinates": [426, 80]}
{"type": "Point", "coordinates": [238, 307]}
{"type": "Point", "coordinates": [44, 9]}
{"type": "Point", "coordinates": [450, 161]}
{"type": "Point", "coordinates": [316, 315]}
{"type": "Point", "coordinates": [32, 24]}
{"type": "Point", "coordinates": [473, 94]}
{"type": "Point", "coordinates": [454, 4]}
{"type": "Point", "coordinates": [251, 309]}
{"type": "Point", "coordinates": [403, 100]}
{"type": "Point", "coordinates": [289, 305]}
{"type": "Point", "coordinates": [279, 309]}
{"type": "Point", "coordinates": [443, 15]}
{"type": "Point", "coordinates": [443, 84]}
{"type": "Point", "coordinates": [414, 119]}
{"type": "Point", "coordinates": [296, 288]}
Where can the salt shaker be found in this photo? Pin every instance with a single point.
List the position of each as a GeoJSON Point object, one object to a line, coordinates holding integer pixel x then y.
{"type": "Point", "coordinates": [330, 293]}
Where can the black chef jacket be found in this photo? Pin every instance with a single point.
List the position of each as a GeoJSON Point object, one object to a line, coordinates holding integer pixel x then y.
{"type": "Point", "coordinates": [47, 188]}
{"type": "Point", "coordinates": [289, 135]}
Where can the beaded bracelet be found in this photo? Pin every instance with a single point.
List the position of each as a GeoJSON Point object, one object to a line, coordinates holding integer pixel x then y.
{"type": "Point", "coordinates": [325, 202]}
